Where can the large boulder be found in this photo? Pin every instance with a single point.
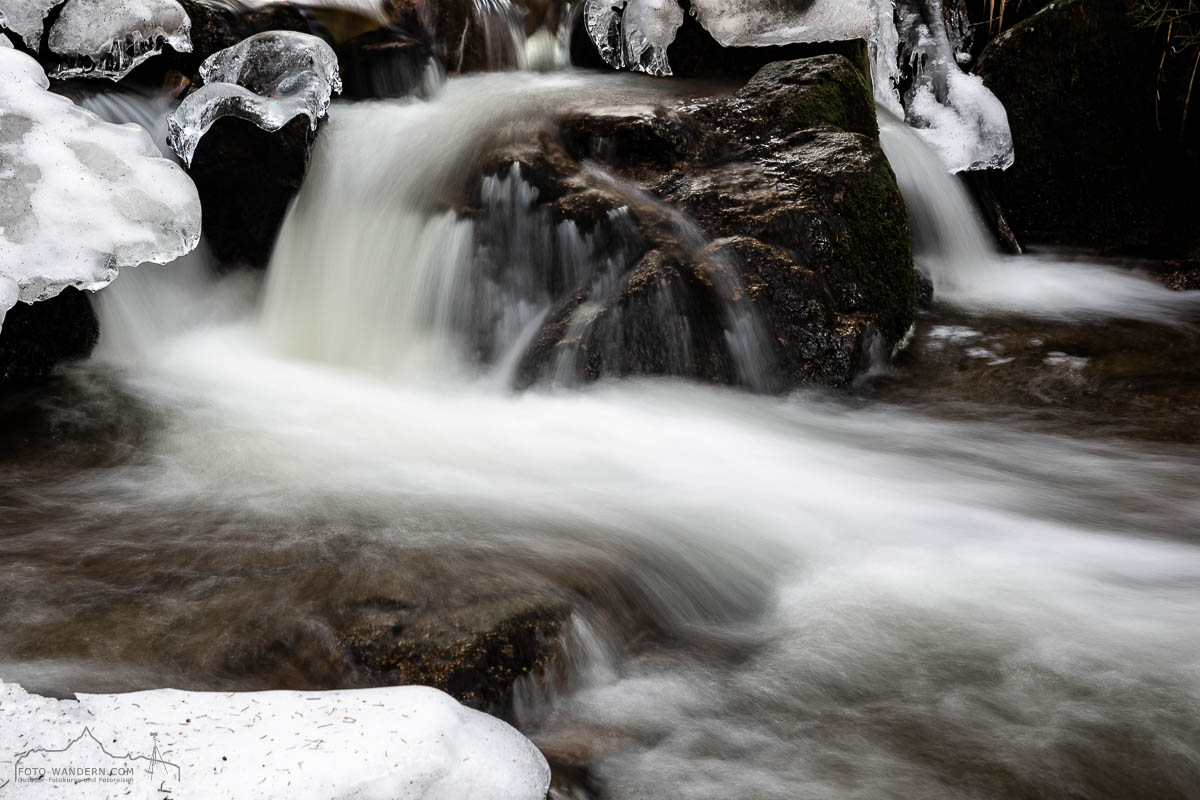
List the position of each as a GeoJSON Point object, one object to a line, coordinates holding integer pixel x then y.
{"type": "Point", "coordinates": [770, 218]}
{"type": "Point", "coordinates": [1092, 169]}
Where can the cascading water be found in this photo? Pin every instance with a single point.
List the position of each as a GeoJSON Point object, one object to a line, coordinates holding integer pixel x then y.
{"type": "Point", "coordinates": [374, 269]}
{"type": "Point", "coordinates": [953, 247]}
{"type": "Point", "coordinates": [774, 597]}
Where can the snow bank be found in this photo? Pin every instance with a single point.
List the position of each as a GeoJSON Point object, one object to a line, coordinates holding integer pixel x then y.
{"type": "Point", "coordinates": [398, 743]}
{"type": "Point", "coordinates": [79, 197]}
{"type": "Point", "coordinates": [108, 38]}
{"type": "Point", "coordinates": [26, 18]}
{"type": "Point", "coordinates": [269, 79]}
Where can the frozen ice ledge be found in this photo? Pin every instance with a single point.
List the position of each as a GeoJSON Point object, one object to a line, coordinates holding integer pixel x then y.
{"type": "Point", "coordinates": [26, 18]}
{"type": "Point", "coordinates": [79, 197]}
{"type": "Point", "coordinates": [405, 742]}
{"type": "Point", "coordinates": [952, 111]}
{"type": "Point", "coordinates": [268, 79]}
{"type": "Point", "coordinates": [109, 38]}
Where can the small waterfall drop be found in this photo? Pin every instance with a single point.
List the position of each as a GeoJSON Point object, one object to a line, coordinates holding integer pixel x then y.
{"type": "Point", "coordinates": [376, 268]}
{"type": "Point", "coordinates": [150, 304]}
{"type": "Point", "coordinates": [955, 250]}
{"type": "Point", "coordinates": [370, 259]}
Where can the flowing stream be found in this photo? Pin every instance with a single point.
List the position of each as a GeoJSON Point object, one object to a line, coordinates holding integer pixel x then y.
{"type": "Point", "coordinates": [775, 597]}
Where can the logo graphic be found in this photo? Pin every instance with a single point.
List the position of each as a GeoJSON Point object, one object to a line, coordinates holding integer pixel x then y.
{"type": "Point", "coordinates": [86, 759]}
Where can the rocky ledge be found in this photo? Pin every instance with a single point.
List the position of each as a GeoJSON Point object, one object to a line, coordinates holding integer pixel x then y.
{"type": "Point", "coordinates": [800, 223]}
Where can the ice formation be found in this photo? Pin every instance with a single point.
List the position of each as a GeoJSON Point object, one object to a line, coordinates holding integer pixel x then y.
{"type": "Point", "coordinates": [755, 23]}
{"type": "Point", "coordinates": [268, 79]}
{"type": "Point", "coordinates": [79, 197]}
{"type": "Point", "coordinates": [109, 38]}
{"type": "Point", "coordinates": [956, 115]}
{"type": "Point", "coordinates": [26, 18]}
{"type": "Point", "coordinates": [404, 742]}
{"type": "Point", "coordinates": [953, 111]}
{"type": "Point", "coordinates": [634, 34]}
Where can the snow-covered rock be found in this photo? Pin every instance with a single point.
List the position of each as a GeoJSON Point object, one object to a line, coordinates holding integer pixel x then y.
{"type": "Point", "coordinates": [399, 743]}
{"type": "Point", "coordinates": [79, 197]}
{"type": "Point", "coordinates": [109, 38]}
{"type": "Point", "coordinates": [26, 18]}
{"type": "Point", "coordinates": [269, 79]}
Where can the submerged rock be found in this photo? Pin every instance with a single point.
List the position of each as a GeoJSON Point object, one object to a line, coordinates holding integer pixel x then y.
{"type": "Point", "coordinates": [1092, 170]}
{"type": "Point", "coordinates": [758, 239]}
{"type": "Point", "coordinates": [475, 652]}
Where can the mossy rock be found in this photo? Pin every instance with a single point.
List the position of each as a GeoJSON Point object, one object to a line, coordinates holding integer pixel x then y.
{"type": "Point", "coordinates": [785, 180]}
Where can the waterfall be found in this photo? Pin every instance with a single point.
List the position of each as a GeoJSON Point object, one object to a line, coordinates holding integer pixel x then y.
{"type": "Point", "coordinates": [151, 304]}
{"type": "Point", "coordinates": [376, 268]}
{"type": "Point", "coordinates": [955, 250]}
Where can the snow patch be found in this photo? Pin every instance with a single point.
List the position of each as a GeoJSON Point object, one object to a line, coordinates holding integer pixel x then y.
{"type": "Point", "coordinates": [109, 38]}
{"type": "Point", "coordinates": [400, 743]}
{"type": "Point", "coordinates": [79, 197]}
{"type": "Point", "coordinates": [268, 79]}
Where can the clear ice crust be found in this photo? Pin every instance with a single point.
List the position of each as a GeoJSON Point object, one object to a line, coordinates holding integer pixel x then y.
{"type": "Point", "coordinates": [268, 79]}
{"type": "Point", "coordinates": [109, 38]}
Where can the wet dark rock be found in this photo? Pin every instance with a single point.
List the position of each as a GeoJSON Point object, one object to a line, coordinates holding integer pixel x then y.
{"type": "Point", "coordinates": [246, 177]}
{"type": "Point", "coordinates": [464, 38]}
{"type": "Point", "coordinates": [799, 221]}
{"type": "Point", "coordinates": [658, 321]}
{"type": "Point", "coordinates": [1092, 170]}
{"type": "Point", "coordinates": [474, 652]}
{"type": "Point", "coordinates": [37, 337]}
{"type": "Point", "coordinates": [385, 62]}
{"type": "Point", "coordinates": [980, 183]}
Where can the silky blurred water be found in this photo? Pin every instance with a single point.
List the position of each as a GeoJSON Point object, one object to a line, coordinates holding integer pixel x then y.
{"type": "Point", "coordinates": [812, 595]}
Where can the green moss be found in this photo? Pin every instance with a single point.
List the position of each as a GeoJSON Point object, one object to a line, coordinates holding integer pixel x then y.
{"type": "Point", "coordinates": [872, 247]}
